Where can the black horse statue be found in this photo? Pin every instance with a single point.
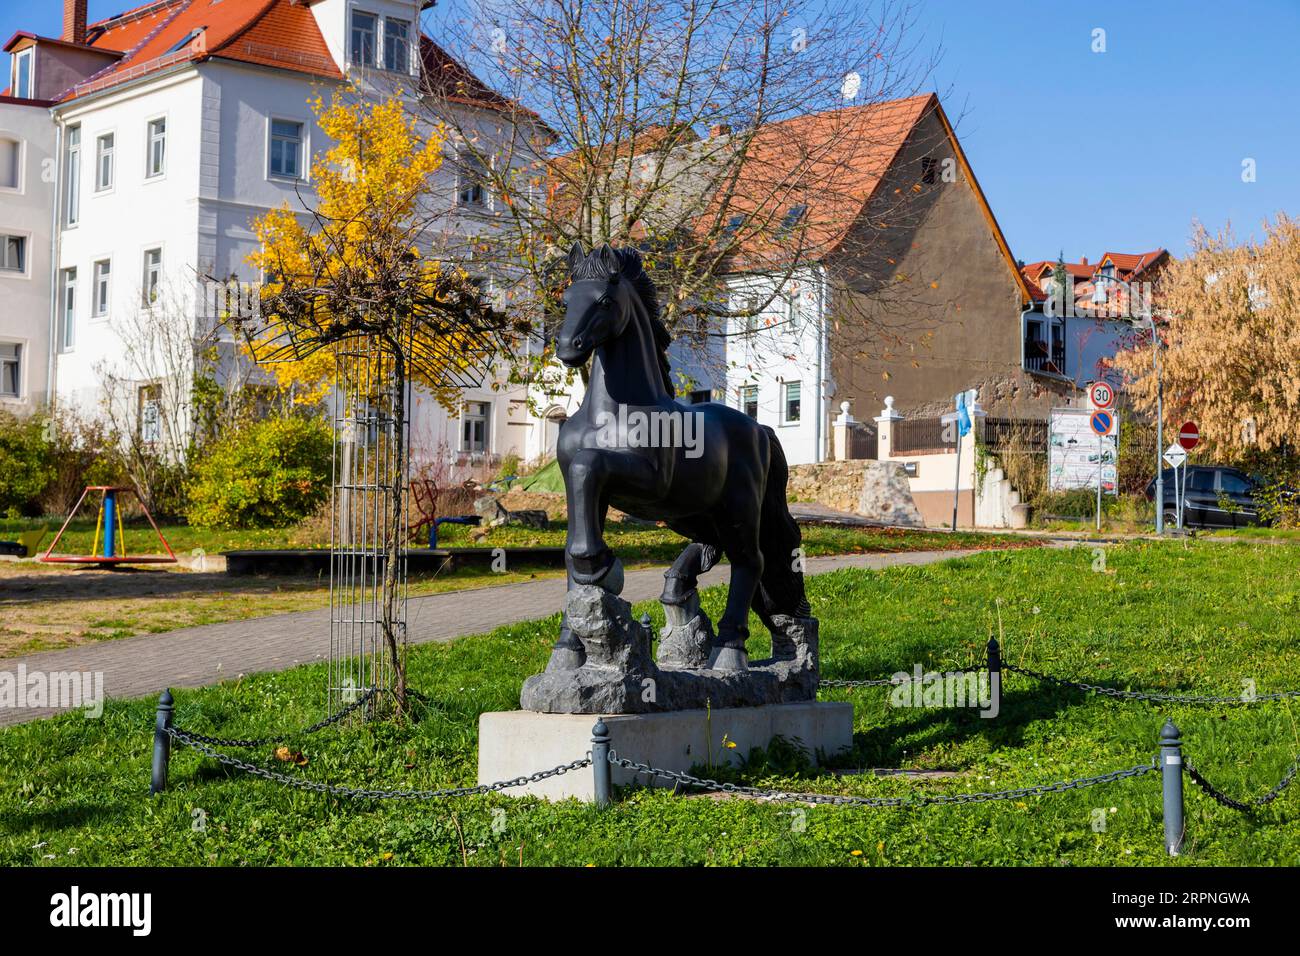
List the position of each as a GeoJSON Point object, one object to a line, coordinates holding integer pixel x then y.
{"type": "Point", "coordinates": [711, 473]}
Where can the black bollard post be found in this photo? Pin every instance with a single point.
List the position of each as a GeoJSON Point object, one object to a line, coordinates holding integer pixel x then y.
{"type": "Point", "coordinates": [162, 743]}
{"type": "Point", "coordinates": [600, 763]}
{"type": "Point", "coordinates": [994, 658]}
{"type": "Point", "coordinates": [1171, 772]}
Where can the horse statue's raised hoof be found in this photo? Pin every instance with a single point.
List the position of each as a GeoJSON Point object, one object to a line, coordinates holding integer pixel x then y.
{"type": "Point", "coordinates": [729, 656]}
{"type": "Point", "coordinates": [604, 571]}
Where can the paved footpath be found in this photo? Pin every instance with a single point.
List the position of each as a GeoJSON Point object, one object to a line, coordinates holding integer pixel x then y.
{"type": "Point", "coordinates": [196, 656]}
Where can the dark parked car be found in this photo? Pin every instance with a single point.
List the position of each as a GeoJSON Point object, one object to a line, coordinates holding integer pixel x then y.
{"type": "Point", "coordinates": [1217, 497]}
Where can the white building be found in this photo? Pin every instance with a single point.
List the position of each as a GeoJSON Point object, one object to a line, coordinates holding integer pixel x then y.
{"type": "Point", "coordinates": [26, 204]}
{"type": "Point", "coordinates": [176, 124]}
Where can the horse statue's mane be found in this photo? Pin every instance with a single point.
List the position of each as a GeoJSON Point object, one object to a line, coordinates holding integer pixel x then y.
{"type": "Point", "coordinates": [629, 267]}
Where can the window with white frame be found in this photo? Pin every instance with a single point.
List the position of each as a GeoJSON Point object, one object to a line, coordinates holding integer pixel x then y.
{"type": "Point", "coordinates": [792, 310]}
{"type": "Point", "coordinates": [68, 311]}
{"type": "Point", "coordinates": [749, 400]}
{"type": "Point", "coordinates": [286, 149]}
{"type": "Point", "coordinates": [471, 176]}
{"type": "Point", "coordinates": [148, 414]}
{"type": "Point", "coordinates": [72, 212]}
{"type": "Point", "coordinates": [11, 163]}
{"type": "Point", "coordinates": [11, 370]}
{"type": "Point", "coordinates": [397, 45]}
{"type": "Point", "coordinates": [24, 76]}
{"type": "Point", "coordinates": [152, 278]}
{"type": "Point", "coordinates": [791, 403]}
{"type": "Point", "coordinates": [749, 321]}
{"type": "Point", "coordinates": [156, 148]}
{"type": "Point", "coordinates": [474, 427]}
{"type": "Point", "coordinates": [103, 287]}
{"type": "Point", "coordinates": [13, 253]}
{"type": "Point", "coordinates": [365, 28]}
{"type": "Point", "coordinates": [105, 148]}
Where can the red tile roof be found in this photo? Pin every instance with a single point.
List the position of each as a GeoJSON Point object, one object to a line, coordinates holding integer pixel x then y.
{"type": "Point", "coordinates": [785, 158]}
{"type": "Point", "coordinates": [1132, 262]}
{"type": "Point", "coordinates": [1128, 266]}
{"type": "Point", "coordinates": [275, 33]}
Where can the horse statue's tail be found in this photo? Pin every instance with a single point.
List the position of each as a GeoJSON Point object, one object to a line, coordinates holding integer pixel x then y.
{"type": "Point", "coordinates": [781, 589]}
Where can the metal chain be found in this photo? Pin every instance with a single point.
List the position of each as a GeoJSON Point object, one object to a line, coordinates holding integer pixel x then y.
{"type": "Point", "coordinates": [1090, 688]}
{"type": "Point", "coordinates": [1244, 806]}
{"type": "Point", "coordinates": [915, 801]}
{"type": "Point", "coordinates": [263, 741]}
{"type": "Point", "coordinates": [359, 793]}
{"type": "Point", "coordinates": [1142, 695]}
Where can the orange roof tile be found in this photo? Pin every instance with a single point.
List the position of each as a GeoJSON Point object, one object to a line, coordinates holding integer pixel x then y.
{"type": "Point", "coordinates": [804, 161]}
{"type": "Point", "coordinates": [268, 32]}
{"type": "Point", "coordinates": [1132, 262]}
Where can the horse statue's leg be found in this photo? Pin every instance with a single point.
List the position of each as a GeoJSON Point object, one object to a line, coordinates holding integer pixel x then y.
{"type": "Point", "coordinates": [741, 545]}
{"type": "Point", "coordinates": [687, 638]}
{"type": "Point", "coordinates": [568, 652]}
{"type": "Point", "coordinates": [681, 578]}
{"type": "Point", "coordinates": [591, 472]}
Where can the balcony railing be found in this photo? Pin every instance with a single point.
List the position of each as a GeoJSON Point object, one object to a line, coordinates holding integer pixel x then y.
{"type": "Point", "coordinates": [1040, 357]}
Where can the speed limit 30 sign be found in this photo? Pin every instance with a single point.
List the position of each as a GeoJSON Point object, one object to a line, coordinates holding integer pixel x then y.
{"type": "Point", "coordinates": [1101, 395]}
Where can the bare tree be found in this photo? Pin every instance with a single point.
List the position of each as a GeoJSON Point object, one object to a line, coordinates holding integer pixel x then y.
{"type": "Point", "coordinates": [718, 136]}
{"type": "Point", "coordinates": [172, 385]}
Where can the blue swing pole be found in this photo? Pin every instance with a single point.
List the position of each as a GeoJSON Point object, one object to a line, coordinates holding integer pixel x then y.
{"type": "Point", "coordinates": [110, 518]}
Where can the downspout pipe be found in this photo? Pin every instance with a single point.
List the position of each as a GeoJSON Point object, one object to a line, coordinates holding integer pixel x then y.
{"type": "Point", "coordinates": [819, 433]}
{"type": "Point", "coordinates": [56, 239]}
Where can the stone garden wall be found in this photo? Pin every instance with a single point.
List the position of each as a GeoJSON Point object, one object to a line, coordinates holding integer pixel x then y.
{"type": "Point", "coordinates": [878, 490]}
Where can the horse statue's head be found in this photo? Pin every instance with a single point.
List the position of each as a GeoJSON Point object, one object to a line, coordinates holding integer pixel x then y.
{"type": "Point", "coordinates": [598, 302]}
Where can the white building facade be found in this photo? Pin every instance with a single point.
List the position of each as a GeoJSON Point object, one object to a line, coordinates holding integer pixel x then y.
{"type": "Point", "coordinates": [160, 135]}
{"type": "Point", "coordinates": [26, 226]}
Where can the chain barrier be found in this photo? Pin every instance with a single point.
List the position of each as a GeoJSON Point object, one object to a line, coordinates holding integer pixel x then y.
{"type": "Point", "coordinates": [1246, 806]}
{"type": "Point", "coordinates": [333, 718]}
{"type": "Point", "coordinates": [913, 801]}
{"type": "Point", "coordinates": [1090, 688]}
{"type": "Point", "coordinates": [197, 742]}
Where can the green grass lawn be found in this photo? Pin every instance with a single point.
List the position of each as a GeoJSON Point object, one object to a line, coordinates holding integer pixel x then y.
{"type": "Point", "coordinates": [650, 544]}
{"type": "Point", "coordinates": [1186, 616]}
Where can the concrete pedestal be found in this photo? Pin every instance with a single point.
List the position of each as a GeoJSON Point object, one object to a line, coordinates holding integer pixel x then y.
{"type": "Point", "coordinates": [517, 743]}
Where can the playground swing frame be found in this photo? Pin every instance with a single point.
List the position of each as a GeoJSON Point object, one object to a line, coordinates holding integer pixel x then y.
{"type": "Point", "coordinates": [107, 521]}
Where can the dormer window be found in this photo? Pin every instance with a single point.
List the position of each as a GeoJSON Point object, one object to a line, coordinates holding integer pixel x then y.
{"type": "Point", "coordinates": [24, 74]}
{"type": "Point", "coordinates": [186, 40]}
{"type": "Point", "coordinates": [365, 27]}
{"type": "Point", "coordinates": [793, 216]}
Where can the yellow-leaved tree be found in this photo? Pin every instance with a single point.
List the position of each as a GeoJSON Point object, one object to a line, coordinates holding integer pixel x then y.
{"type": "Point", "coordinates": [354, 311]}
{"type": "Point", "coordinates": [1229, 315]}
{"type": "Point", "coordinates": [1229, 318]}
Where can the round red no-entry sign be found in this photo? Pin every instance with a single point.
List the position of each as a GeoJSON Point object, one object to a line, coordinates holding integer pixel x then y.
{"type": "Point", "coordinates": [1189, 435]}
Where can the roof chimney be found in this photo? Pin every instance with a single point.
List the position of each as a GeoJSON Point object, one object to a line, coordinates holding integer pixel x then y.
{"type": "Point", "coordinates": [1083, 261]}
{"type": "Point", "coordinates": [720, 129]}
{"type": "Point", "coordinates": [74, 21]}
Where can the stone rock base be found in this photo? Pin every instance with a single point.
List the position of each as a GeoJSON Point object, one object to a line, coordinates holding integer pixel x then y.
{"type": "Point", "coordinates": [518, 743]}
{"type": "Point", "coordinates": [619, 675]}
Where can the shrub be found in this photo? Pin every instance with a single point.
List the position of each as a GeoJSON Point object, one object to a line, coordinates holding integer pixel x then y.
{"type": "Point", "coordinates": [84, 452]}
{"type": "Point", "coordinates": [271, 473]}
{"type": "Point", "coordinates": [26, 465]}
{"type": "Point", "coordinates": [1277, 491]}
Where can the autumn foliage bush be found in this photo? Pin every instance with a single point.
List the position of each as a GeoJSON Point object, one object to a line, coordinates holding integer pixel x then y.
{"type": "Point", "coordinates": [271, 473]}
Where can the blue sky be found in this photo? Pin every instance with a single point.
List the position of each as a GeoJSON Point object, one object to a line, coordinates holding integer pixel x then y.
{"type": "Point", "coordinates": [1080, 151]}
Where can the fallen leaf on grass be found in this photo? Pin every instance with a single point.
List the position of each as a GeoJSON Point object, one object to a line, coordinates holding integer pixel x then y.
{"type": "Point", "coordinates": [286, 755]}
